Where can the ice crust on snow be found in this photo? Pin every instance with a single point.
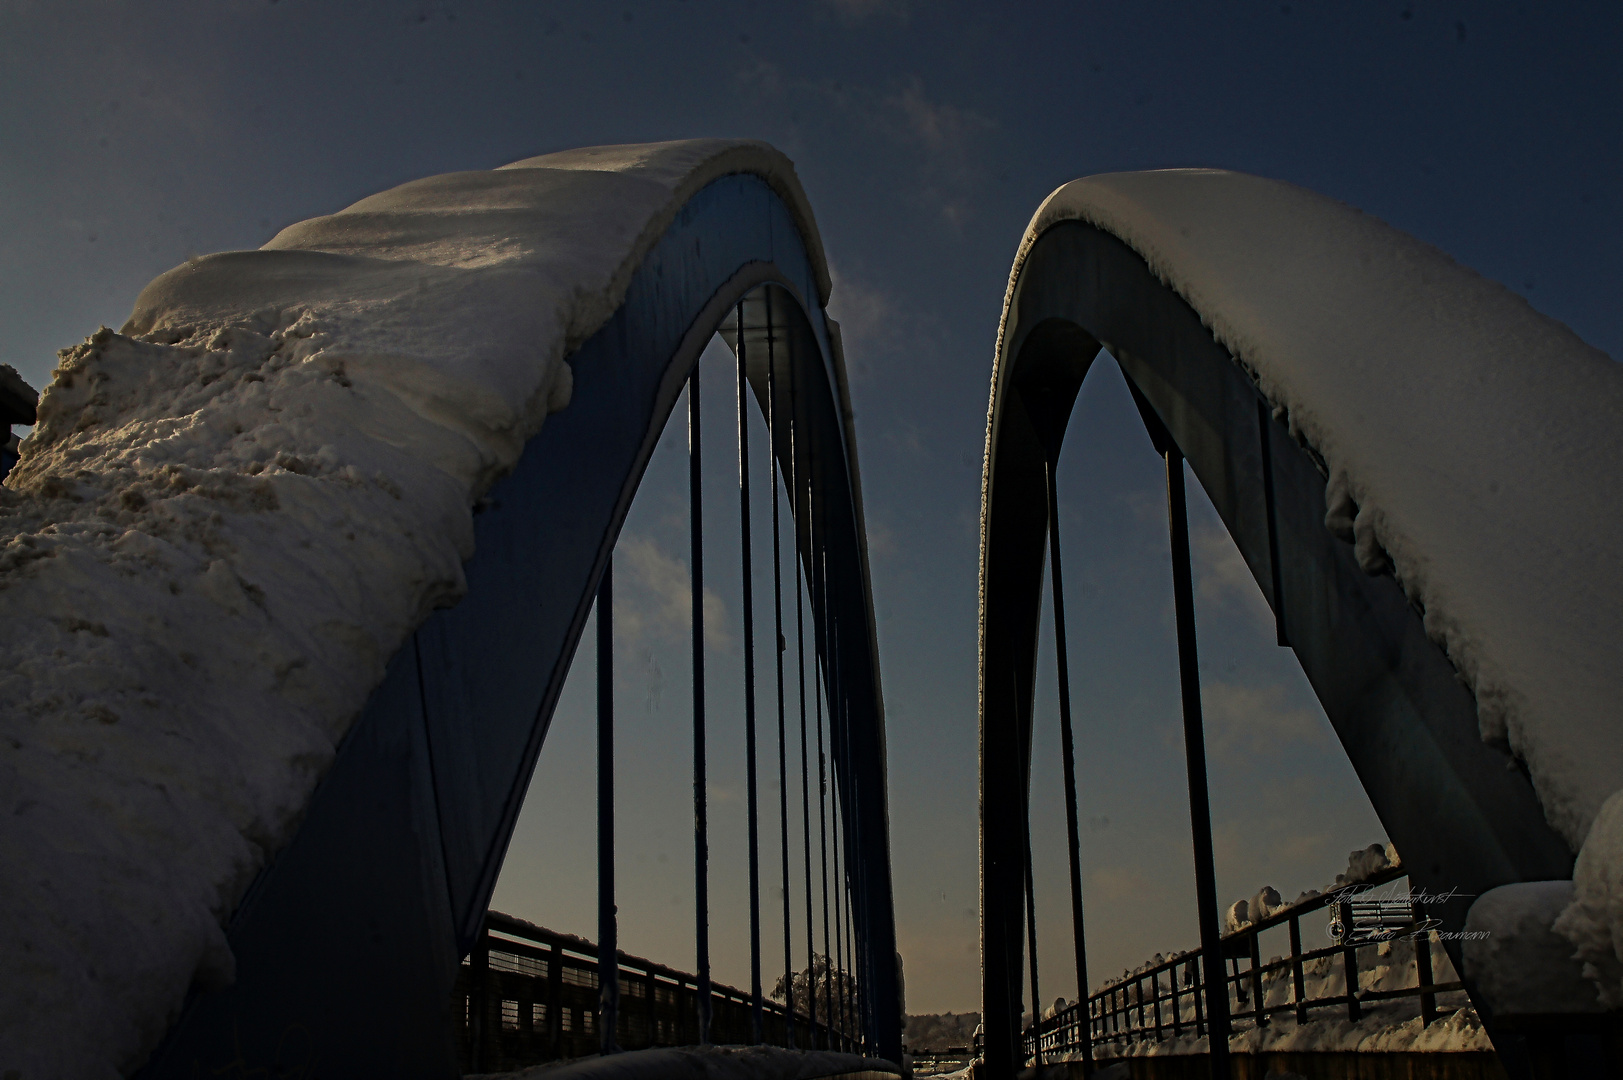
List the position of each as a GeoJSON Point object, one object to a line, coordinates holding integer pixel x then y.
{"type": "Point", "coordinates": [1468, 441]}
{"type": "Point", "coordinates": [231, 514]}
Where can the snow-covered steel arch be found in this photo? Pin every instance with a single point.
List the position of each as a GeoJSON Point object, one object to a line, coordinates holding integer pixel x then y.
{"type": "Point", "coordinates": [1438, 546]}
{"type": "Point", "coordinates": [296, 563]}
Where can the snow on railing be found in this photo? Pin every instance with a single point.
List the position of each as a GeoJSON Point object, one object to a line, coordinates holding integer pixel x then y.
{"type": "Point", "coordinates": [1167, 999]}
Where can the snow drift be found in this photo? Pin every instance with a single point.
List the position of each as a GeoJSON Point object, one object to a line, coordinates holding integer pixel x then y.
{"type": "Point", "coordinates": [231, 514]}
{"type": "Point", "coordinates": [1468, 440]}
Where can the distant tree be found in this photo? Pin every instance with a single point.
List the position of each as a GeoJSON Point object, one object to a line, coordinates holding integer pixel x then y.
{"type": "Point", "coordinates": [828, 984]}
{"type": "Point", "coordinates": [940, 1031]}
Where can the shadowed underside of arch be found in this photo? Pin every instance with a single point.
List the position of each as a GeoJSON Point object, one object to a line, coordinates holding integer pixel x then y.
{"type": "Point", "coordinates": [1216, 336]}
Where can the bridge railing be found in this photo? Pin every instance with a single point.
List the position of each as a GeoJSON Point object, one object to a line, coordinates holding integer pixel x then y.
{"type": "Point", "coordinates": [528, 995]}
{"type": "Point", "coordinates": [1167, 1000]}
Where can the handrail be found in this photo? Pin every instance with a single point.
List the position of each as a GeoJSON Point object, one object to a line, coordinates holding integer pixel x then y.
{"type": "Point", "coordinates": [509, 1017]}
{"type": "Point", "coordinates": [1110, 1010]}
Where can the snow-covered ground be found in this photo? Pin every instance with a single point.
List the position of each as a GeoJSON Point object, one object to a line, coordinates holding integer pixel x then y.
{"type": "Point", "coordinates": [231, 514]}
{"type": "Point", "coordinates": [1467, 438]}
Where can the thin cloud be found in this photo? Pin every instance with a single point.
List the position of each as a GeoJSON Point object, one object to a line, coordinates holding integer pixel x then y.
{"type": "Point", "coordinates": [1118, 882]}
{"type": "Point", "coordinates": [1222, 578]}
{"type": "Point", "coordinates": [654, 597]}
{"type": "Point", "coordinates": [1243, 722]}
{"type": "Point", "coordinates": [949, 138]}
{"type": "Point", "coordinates": [943, 143]}
{"type": "Point", "coordinates": [870, 320]}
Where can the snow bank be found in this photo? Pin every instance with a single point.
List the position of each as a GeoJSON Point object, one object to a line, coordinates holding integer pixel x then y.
{"type": "Point", "coordinates": [228, 518]}
{"type": "Point", "coordinates": [1516, 961]}
{"type": "Point", "coordinates": [1594, 919]}
{"type": "Point", "coordinates": [1468, 441]}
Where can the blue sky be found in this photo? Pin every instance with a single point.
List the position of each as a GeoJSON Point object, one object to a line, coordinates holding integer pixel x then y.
{"type": "Point", "coordinates": [926, 134]}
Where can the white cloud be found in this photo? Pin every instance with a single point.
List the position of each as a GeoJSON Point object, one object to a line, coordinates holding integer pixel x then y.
{"type": "Point", "coordinates": [948, 137]}
{"type": "Point", "coordinates": [869, 319]}
{"type": "Point", "coordinates": [1222, 578]}
{"type": "Point", "coordinates": [653, 597]}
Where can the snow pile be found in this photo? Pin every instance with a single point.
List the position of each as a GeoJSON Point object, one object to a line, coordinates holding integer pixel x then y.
{"type": "Point", "coordinates": [1243, 913]}
{"type": "Point", "coordinates": [1594, 919]}
{"type": "Point", "coordinates": [1365, 864]}
{"type": "Point", "coordinates": [1464, 435]}
{"type": "Point", "coordinates": [1517, 962]}
{"type": "Point", "coordinates": [228, 518]}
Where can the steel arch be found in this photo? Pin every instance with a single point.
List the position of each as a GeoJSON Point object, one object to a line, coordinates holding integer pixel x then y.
{"type": "Point", "coordinates": [348, 943]}
{"type": "Point", "coordinates": [1460, 812]}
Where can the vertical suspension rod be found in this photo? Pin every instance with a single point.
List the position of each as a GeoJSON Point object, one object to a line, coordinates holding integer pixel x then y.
{"type": "Point", "coordinates": [778, 650]}
{"type": "Point", "coordinates": [1194, 740]}
{"type": "Point", "coordinates": [701, 825]}
{"type": "Point", "coordinates": [1063, 665]}
{"type": "Point", "coordinates": [802, 517]}
{"type": "Point", "coordinates": [1031, 929]}
{"type": "Point", "coordinates": [839, 938]}
{"type": "Point", "coordinates": [832, 666]}
{"type": "Point", "coordinates": [756, 1018]}
{"type": "Point", "coordinates": [819, 582]}
{"type": "Point", "coordinates": [851, 935]}
{"type": "Point", "coordinates": [851, 830]}
{"type": "Point", "coordinates": [608, 953]}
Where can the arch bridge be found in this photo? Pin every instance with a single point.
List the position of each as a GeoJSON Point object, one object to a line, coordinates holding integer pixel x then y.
{"type": "Point", "coordinates": [1351, 400]}
{"type": "Point", "coordinates": [462, 381]}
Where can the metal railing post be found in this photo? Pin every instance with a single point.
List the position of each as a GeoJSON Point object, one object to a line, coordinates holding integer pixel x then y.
{"type": "Point", "coordinates": [1194, 966]}
{"type": "Point", "coordinates": [555, 999]}
{"type": "Point", "coordinates": [1422, 960]}
{"type": "Point", "coordinates": [1298, 983]}
{"type": "Point", "coordinates": [1349, 962]}
{"type": "Point", "coordinates": [1256, 980]}
{"type": "Point", "coordinates": [1155, 1001]}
